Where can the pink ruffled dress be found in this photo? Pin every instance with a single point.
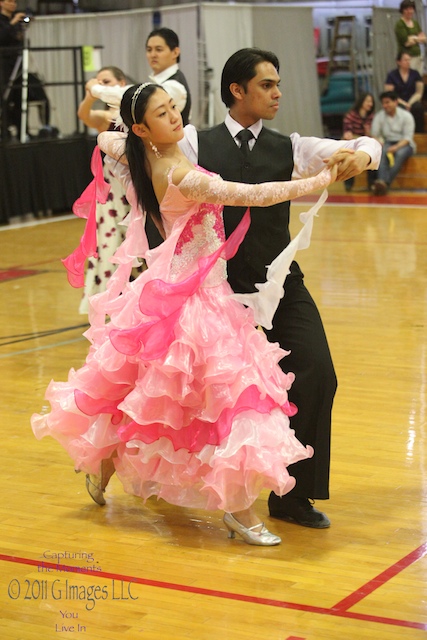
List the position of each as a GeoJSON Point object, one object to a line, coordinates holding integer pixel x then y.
{"type": "Point", "coordinates": [179, 383]}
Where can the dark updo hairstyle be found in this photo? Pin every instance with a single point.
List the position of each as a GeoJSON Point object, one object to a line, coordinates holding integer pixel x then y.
{"type": "Point", "coordinates": [132, 112]}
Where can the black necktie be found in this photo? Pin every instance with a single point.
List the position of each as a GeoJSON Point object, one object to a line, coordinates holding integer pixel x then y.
{"type": "Point", "coordinates": [244, 136]}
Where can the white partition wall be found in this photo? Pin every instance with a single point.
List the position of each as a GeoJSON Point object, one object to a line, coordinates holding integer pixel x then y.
{"type": "Point", "coordinates": [226, 29]}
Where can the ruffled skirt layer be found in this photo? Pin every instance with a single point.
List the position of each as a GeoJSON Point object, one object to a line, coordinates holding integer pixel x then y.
{"type": "Point", "coordinates": [205, 425]}
{"type": "Point", "coordinates": [179, 386]}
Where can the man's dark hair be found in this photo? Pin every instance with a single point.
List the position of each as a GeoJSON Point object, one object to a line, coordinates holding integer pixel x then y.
{"type": "Point", "coordinates": [392, 95]}
{"type": "Point", "coordinates": [169, 36]}
{"type": "Point", "coordinates": [241, 67]}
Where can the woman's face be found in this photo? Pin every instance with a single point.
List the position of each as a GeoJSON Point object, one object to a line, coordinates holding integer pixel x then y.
{"type": "Point", "coordinates": [159, 56]}
{"type": "Point", "coordinates": [107, 78]}
{"type": "Point", "coordinates": [162, 122]}
{"type": "Point", "coordinates": [408, 13]}
{"type": "Point", "coordinates": [368, 104]}
{"type": "Point", "coordinates": [404, 62]}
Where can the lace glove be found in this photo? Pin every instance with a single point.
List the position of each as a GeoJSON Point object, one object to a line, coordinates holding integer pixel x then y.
{"type": "Point", "coordinates": [112, 143]}
{"type": "Point", "coordinates": [199, 187]}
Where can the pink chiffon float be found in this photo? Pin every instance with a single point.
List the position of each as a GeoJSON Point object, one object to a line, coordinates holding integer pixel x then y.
{"type": "Point", "coordinates": [179, 384]}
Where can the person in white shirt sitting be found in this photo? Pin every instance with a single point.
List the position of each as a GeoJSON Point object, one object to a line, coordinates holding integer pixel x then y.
{"type": "Point", "coordinates": [394, 128]}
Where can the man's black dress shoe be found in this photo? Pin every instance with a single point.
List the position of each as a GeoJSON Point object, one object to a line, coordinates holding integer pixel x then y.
{"type": "Point", "coordinates": [297, 510]}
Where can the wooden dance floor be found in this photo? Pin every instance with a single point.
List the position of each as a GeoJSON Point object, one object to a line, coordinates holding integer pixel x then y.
{"type": "Point", "coordinates": [71, 569]}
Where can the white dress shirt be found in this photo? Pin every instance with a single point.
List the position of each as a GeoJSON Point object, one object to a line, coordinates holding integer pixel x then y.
{"type": "Point", "coordinates": [401, 126]}
{"type": "Point", "coordinates": [308, 152]}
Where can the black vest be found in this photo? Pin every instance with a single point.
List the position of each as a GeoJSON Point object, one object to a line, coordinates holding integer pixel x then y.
{"type": "Point", "coordinates": [271, 159]}
{"type": "Point", "coordinates": [180, 77]}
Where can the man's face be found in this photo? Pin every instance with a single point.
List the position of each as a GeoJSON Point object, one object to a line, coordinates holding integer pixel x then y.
{"type": "Point", "coordinates": [389, 106]}
{"type": "Point", "coordinates": [159, 56]}
{"type": "Point", "coordinates": [8, 7]}
{"type": "Point", "coordinates": [261, 97]}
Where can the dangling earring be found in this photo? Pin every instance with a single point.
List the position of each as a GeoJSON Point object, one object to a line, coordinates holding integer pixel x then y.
{"type": "Point", "coordinates": [155, 150]}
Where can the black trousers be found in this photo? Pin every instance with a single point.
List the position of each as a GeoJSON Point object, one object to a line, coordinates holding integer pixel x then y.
{"type": "Point", "coordinates": [298, 327]}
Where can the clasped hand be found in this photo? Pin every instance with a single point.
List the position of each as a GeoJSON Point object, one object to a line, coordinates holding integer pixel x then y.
{"type": "Point", "coordinates": [348, 163]}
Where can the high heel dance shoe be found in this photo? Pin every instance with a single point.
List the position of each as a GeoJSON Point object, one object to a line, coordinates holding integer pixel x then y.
{"type": "Point", "coordinates": [96, 484]}
{"type": "Point", "coordinates": [94, 489]}
{"type": "Point", "coordinates": [257, 534]}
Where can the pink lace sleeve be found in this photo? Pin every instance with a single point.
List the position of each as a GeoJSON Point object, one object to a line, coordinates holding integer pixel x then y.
{"type": "Point", "coordinates": [199, 187]}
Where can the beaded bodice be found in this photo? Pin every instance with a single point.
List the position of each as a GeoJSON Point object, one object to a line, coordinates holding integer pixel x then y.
{"type": "Point", "coordinates": [202, 234]}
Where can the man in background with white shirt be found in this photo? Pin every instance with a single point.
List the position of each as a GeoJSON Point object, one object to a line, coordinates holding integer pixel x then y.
{"type": "Point", "coordinates": [395, 128]}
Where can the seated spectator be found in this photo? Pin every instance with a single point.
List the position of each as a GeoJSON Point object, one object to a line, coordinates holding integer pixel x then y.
{"type": "Point", "coordinates": [357, 122]}
{"type": "Point", "coordinates": [394, 129]}
{"type": "Point", "coordinates": [409, 87]}
{"type": "Point", "coordinates": [409, 35]}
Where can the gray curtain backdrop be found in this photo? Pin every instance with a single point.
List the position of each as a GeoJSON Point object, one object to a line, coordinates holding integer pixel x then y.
{"type": "Point", "coordinates": [225, 29]}
{"type": "Point", "coordinates": [121, 37]}
{"type": "Point", "coordinates": [384, 46]}
{"type": "Point", "coordinates": [209, 33]}
{"type": "Point", "coordinates": [289, 33]}
{"type": "Point", "coordinates": [184, 20]}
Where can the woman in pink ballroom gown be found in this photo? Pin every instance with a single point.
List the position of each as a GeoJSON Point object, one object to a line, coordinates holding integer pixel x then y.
{"type": "Point", "coordinates": [180, 394]}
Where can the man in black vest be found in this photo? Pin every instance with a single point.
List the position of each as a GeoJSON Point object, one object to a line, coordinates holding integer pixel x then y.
{"type": "Point", "coordinates": [250, 89]}
{"type": "Point", "coordinates": [163, 53]}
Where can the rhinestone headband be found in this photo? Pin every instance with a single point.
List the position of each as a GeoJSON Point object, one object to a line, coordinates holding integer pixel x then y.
{"type": "Point", "coordinates": [135, 99]}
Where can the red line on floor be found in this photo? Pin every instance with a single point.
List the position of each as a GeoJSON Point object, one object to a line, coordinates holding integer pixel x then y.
{"type": "Point", "coordinates": [13, 274]}
{"type": "Point", "coordinates": [218, 594]}
{"type": "Point", "coordinates": [381, 579]}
